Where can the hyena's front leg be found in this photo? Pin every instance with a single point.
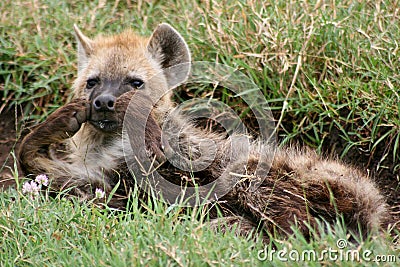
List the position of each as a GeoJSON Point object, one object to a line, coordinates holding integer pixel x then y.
{"type": "Point", "coordinates": [34, 154]}
{"type": "Point", "coordinates": [137, 115]}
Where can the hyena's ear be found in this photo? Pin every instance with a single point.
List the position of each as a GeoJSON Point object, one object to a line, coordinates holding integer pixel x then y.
{"type": "Point", "coordinates": [85, 48]}
{"type": "Point", "coordinates": [168, 47]}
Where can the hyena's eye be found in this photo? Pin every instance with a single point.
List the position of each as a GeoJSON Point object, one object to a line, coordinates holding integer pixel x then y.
{"type": "Point", "coordinates": [91, 83]}
{"type": "Point", "coordinates": [136, 83]}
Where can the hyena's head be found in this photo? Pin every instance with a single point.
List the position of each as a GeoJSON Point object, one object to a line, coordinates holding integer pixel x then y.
{"type": "Point", "coordinates": [109, 66]}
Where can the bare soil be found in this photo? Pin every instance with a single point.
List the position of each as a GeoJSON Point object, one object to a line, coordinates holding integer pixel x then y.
{"type": "Point", "coordinates": [8, 140]}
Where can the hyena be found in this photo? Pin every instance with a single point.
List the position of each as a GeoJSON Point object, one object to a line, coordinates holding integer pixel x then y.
{"type": "Point", "coordinates": [79, 146]}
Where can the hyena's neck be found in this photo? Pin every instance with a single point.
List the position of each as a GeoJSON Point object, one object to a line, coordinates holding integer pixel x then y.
{"type": "Point", "coordinates": [90, 140]}
{"type": "Point", "coordinates": [95, 152]}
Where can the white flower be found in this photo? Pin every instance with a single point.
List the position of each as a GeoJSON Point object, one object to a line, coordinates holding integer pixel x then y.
{"type": "Point", "coordinates": [31, 188]}
{"type": "Point", "coordinates": [42, 179]}
{"type": "Point", "coordinates": [99, 193]}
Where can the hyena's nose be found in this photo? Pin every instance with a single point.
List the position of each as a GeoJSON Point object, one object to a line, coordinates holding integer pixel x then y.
{"type": "Point", "coordinates": [104, 103]}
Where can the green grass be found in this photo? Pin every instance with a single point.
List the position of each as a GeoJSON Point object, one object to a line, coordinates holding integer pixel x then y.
{"type": "Point", "coordinates": [336, 65]}
{"type": "Point", "coordinates": [68, 233]}
{"type": "Point", "coordinates": [57, 232]}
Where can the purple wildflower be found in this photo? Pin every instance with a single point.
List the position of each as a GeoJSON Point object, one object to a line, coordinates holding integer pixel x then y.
{"type": "Point", "coordinates": [42, 179]}
{"type": "Point", "coordinates": [31, 188]}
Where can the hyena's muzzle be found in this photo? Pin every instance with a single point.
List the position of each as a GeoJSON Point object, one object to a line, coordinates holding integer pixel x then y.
{"type": "Point", "coordinates": [103, 113]}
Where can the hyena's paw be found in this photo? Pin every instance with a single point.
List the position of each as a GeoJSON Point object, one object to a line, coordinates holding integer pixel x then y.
{"type": "Point", "coordinates": [122, 103]}
{"type": "Point", "coordinates": [68, 118]}
{"type": "Point", "coordinates": [138, 103]}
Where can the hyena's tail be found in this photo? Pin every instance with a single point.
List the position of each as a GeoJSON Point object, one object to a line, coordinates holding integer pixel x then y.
{"type": "Point", "coordinates": [301, 188]}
